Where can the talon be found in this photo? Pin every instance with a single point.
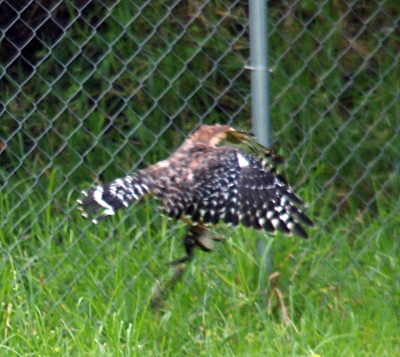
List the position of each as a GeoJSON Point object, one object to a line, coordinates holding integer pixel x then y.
{"type": "Point", "coordinates": [189, 242]}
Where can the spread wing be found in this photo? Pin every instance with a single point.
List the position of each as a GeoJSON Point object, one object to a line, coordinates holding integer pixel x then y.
{"type": "Point", "coordinates": [234, 187]}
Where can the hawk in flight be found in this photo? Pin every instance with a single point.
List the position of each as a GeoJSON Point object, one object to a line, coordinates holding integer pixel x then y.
{"type": "Point", "coordinates": [206, 181]}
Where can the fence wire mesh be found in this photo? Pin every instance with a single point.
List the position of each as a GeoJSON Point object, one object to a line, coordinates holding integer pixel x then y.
{"type": "Point", "coordinates": [92, 90]}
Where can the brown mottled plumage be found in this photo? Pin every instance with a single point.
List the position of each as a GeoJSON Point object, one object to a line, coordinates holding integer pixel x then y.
{"type": "Point", "coordinates": [206, 183]}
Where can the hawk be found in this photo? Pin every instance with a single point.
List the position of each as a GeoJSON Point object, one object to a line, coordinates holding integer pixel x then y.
{"type": "Point", "coordinates": [204, 182]}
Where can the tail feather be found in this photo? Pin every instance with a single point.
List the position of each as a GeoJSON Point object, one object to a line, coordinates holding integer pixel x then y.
{"type": "Point", "coordinates": [105, 200]}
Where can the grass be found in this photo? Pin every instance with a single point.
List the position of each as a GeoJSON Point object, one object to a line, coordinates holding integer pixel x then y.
{"type": "Point", "coordinates": [111, 96]}
{"type": "Point", "coordinates": [88, 291]}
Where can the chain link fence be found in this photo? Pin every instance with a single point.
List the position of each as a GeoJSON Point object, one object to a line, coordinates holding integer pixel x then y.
{"type": "Point", "coordinates": [94, 90]}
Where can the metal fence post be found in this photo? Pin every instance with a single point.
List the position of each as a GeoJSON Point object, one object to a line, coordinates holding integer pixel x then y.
{"type": "Point", "coordinates": [260, 103]}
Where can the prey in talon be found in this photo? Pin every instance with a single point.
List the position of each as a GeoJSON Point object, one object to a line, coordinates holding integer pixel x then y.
{"type": "Point", "coordinates": [218, 174]}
